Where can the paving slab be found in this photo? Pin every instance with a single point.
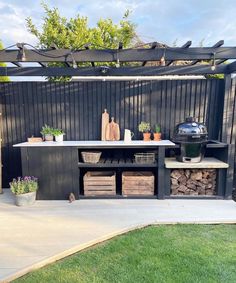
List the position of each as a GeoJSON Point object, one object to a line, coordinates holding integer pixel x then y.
{"type": "Point", "coordinates": [34, 236]}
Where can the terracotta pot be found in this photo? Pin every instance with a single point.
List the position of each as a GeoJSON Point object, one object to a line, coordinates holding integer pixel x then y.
{"type": "Point", "coordinates": [146, 136]}
{"type": "Point", "coordinates": [157, 136]}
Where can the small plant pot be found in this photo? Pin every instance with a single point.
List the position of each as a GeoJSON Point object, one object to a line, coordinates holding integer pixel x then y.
{"type": "Point", "coordinates": [48, 137]}
{"type": "Point", "coordinates": [59, 138]}
{"type": "Point", "coordinates": [25, 199]}
{"type": "Point", "coordinates": [157, 136]}
{"type": "Point", "coordinates": [146, 136]}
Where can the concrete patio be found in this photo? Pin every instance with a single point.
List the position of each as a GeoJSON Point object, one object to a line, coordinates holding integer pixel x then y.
{"type": "Point", "coordinates": [34, 236]}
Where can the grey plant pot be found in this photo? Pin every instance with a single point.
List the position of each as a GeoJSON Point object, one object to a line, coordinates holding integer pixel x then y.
{"type": "Point", "coordinates": [25, 199]}
{"type": "Point", "coordinates": [48, 137]}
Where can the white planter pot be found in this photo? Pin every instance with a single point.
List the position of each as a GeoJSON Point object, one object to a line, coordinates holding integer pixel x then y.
{"type": "Point", "coordinates": [59, 138]}
{"type": "Point", "coordinates": [25, 199]}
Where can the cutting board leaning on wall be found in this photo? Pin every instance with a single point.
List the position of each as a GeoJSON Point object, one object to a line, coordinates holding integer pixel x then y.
{"type": "Point", "coordinates": [112, 131]}
{"type": "Point", "coordinates": [105, 122]}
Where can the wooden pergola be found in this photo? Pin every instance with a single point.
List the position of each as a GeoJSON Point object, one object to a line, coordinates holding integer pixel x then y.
{"type": "Point", "coordinates": [137, 58]}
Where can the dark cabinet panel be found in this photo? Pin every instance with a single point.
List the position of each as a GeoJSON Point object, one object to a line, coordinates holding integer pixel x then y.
{"type": "Point", "coordinates": [55, 167]}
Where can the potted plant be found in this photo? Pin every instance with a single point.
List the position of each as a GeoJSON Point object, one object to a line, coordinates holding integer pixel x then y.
{"type": "Point", "coordinates": [145, 128]}
{"type": "Point", "coordinates": [47, 133]}
{"type": "Point", "coordinates": [24, 189]}
{"type": "Point", "coordinates": [157, 132]}
{"type": "Point", "coordinates": [58, 133]}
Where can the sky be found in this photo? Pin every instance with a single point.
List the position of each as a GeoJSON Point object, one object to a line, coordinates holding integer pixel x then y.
{"type": "Point", "coordinates": [162, 21]}
{"type": "Point", "coordinates": [165, 21]}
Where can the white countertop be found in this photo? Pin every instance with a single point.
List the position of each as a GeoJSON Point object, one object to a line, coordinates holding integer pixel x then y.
{"type": "Point", "coordinates": [137, 143]}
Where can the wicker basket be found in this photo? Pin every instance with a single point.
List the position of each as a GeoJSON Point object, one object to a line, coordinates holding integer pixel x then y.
{"type": "Point", "coordinates": [144, 158]}
{"type": "Point", "coordinates": [91, 156]}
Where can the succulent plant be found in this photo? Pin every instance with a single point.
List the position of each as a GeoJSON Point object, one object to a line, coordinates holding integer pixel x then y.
{"type": "Point", "coordinates": [157, 128]}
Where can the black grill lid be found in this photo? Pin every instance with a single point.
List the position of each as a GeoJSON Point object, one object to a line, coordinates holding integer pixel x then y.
{"type": "Point", "coordinates": [190, 128]}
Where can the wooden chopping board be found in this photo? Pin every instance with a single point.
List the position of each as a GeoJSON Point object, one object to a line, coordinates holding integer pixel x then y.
{"type": "Point", "coordinates": [112, 131]}
{"type": "Point", "coordinates": [105, 122]}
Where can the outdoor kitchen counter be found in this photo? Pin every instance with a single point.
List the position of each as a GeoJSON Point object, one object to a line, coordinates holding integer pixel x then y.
{"type": "Point", "coordinates": [60, 170]}
{"type": "Point", "coordinates": [97, 144]}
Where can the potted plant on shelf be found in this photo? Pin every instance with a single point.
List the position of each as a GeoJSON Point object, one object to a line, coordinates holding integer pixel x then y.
{"type": "Point", "coordinates": [24, 189]}
{"type": "Point", "coordinates": [145, 128]}
{"type": "Point", "coordinates": [47, 133]}
{"type": "Point", "coordinates": [157, 132]}
{"type": "Point", "coordinates": [58, 134]}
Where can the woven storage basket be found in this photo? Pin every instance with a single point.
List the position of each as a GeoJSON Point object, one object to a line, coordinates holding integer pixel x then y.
{"type": "Point", "coordinates": [144, 158]}
{"type": "Point", "coordinates": [91, 156]}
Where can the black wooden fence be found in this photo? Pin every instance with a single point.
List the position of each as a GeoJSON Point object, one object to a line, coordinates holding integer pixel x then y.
{"type": "Point", "coordinates": [76, 107]}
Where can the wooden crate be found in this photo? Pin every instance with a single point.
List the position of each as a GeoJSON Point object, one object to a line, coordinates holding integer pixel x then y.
{"type": "Point", "coordinates": [137, 183]}
{"type": "Point", "coordinates": [100, 183]}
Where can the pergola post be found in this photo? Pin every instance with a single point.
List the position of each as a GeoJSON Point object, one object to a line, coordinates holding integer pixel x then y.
{"type": "Point", "coordinates": [227, 135]}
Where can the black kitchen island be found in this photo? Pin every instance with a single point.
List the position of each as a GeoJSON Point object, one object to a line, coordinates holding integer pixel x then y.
{"type": "Point", "coordinates": [60, 170]}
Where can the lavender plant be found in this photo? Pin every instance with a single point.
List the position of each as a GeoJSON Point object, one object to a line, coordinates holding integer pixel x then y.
{"type": "Point", "coordinates": [23, 185]}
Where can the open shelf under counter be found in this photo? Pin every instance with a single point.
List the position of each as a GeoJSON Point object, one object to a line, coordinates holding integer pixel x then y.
{"type": "Point", "coordinates": [116, 163]}
{"type": "Point", "coordinates": [206, 163]}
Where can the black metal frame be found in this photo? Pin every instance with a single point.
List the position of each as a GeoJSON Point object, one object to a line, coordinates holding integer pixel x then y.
{"type": "Point", "coordinates": [215, 56]}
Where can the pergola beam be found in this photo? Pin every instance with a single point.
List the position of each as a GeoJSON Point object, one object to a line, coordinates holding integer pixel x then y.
{"type": "Point", "coordinates": [87, 48]}
{"type": "Point", "coordinates": [154, 45]}
{"type": "Point", "coordinates": [17, 64]}
{"type": "Point", "coordinates": [186, 45]}
{"type": "Point", "coordinates": [122, 71]}
{"type": "Point", "coordinates": [216, 45]}
{"type": "Point", "coordinates": [125, 55]}
{"type": "Point", "coordinates": [218, 62]}
{"type": "Point", "coordinates": [231, 68]}
{"type": "Point", "coordinates": [42, 64]}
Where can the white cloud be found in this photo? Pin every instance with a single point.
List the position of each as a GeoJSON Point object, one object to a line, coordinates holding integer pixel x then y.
{"type": "Point", "coordinates": [13, 24]}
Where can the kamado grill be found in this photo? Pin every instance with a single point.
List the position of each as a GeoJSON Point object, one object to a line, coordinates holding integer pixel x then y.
{"type": "Point", "coordinates": [192, 138]}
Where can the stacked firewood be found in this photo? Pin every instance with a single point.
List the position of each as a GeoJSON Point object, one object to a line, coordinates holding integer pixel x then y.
{"type": "Point", "coordinates": [193, 182]}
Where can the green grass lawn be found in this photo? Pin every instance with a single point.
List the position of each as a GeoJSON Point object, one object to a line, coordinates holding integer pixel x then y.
{"type": "Point", "coordinates": [168, 253]}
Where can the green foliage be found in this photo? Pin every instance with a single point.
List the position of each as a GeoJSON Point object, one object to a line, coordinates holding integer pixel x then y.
{"type": "Point", "coordinates": [157, 128]}
{"type": "Point", "coordinates": [144, 127]}
{"type": "Point", "coordinates": [24, 185]}
{"type": "Point", "coordinates": [216, 76]}
{"type": "Point", "coordinates": [47, 130]}
{"type": "Point", "coordinates": [58, 132]}
{"type": "Point", "coordinates": [3, 79]}
{"type": "Point", "coordinates": [74, 33]}
{"type": "Point", "coordinates": [162, 253]}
